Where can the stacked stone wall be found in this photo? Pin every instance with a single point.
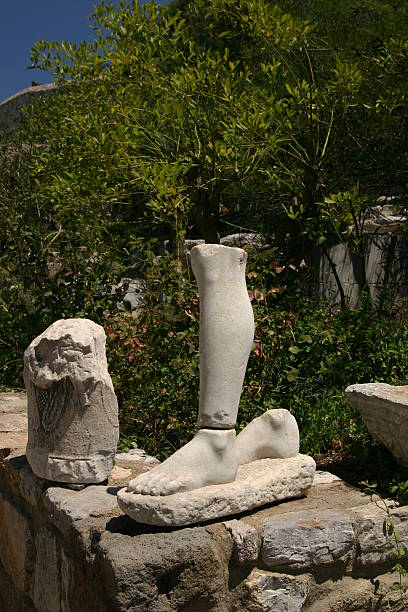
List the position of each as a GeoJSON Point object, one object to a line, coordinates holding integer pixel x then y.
{"type": "Point", "coordinates": [64, 550]}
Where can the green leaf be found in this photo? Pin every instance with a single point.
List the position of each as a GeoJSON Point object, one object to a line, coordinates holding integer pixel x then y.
{"type": "Point", "coordinates": [292, 375]}
{"type": "Point", "coordinates": [295, 350]}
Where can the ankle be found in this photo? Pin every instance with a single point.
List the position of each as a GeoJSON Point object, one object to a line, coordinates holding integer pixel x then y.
{"type": "Point", "coordinates": [219, 439]}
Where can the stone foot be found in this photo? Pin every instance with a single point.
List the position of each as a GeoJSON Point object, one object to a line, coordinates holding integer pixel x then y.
{"type": "Point", "coordinates": [209, 458]}
{"type": "Point", "coordinates": [256, 484]}
{"type": "Point", "coordinates": [273, 435]}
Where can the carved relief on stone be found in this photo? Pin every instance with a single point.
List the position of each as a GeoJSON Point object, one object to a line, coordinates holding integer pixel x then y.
{"type": "Point", "coordinates": [72, 407]}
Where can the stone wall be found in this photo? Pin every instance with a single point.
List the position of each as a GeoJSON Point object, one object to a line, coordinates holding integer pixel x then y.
{"type": "Point", "coordinates": [10, 109]}
{"type": "Point", "coordinates": [64, 550]}
{"type": "Point", "coordinates": [385, 268]}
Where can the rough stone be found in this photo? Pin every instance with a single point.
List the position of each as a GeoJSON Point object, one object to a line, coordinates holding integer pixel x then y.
{"type": "Point", "coordinates": [11, 108]}
{"type": "Point", "coordinates": [374, 548]}
{"type": "Point", "coordinates": [257, 483]}
{"type": "Point", "coordinates": [15, 543]}
{"type": "Point", "coordinates": [137, 455]}
{"type": "Point", "coordinates": [357, 595]}
{"type": "Point", "coordinates": [14, 402]}
{"type": "Point", "coordinates": [242, 239]}
{"type": "Point", "coordinates": [135, 296]}
{"type": "Point", "coordinates": [325, 478]}
{"type": "Point", "coordinates": [275, 592]}
{"type": "Point", "coordinates": [13, 430]}
{"type": "Point", "coordinates": [47, 582]}
{"type": "Point", "coordinates": [66, 506]}
{"type": "Point", "coordinates": [246, 541]}
{"type": "Point", "coordinates": [305, 539]}
{"type": "Point", "coordinates": [185, 569]}
{"type": "Point", "coordinates": [31, 487]}
{"type": "Point", "coordinates": [13, 421]}
{"type": "Point", "coordinates": [10, 598]}
{"type": "Point", "coordinates": [384, 409]}
{"type": "Point", "coordinates": [72, 409]}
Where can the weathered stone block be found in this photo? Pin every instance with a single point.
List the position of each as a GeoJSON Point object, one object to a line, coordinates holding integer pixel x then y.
{"type": "Point", "coordinates": [15, 543]}
{"type": "Point", "coordinates": [72, 408]}
{"type": "Point", "coordinates": [246, 541]}
{"type": "Point", "coordinates": [13, 430]}
{"type": "Point", "coordinates": [384, 409]}
{"type": "Point", "coordinates": [46, 593]}
{"type": "Point", "coordinates": [66, 506]}
{"type": "Point", "coordinates": [374, 548]}
{"type": "Point", "coordinates": [167, 571]}
{"type": "Point", "coordinates": [310, 538]}
{"type": "Point", "coordinates": [275, 592]}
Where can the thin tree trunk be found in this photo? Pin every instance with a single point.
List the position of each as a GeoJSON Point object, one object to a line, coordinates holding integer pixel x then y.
{"type": "Point", "coordinates": [336, 277]}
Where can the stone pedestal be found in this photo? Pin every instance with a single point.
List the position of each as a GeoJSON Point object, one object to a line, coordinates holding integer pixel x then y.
{"type": "Point", "coordinates": [257, 483]}
{"type": "Point", "coordinates": [72, 409]}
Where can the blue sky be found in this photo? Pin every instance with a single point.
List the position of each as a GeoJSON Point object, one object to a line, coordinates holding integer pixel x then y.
{"type": "Point", "coordinates": [23, 22]}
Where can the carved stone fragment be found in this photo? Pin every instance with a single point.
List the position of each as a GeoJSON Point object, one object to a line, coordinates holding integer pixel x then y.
{"type": "Point", "coordinates": [72, 409]}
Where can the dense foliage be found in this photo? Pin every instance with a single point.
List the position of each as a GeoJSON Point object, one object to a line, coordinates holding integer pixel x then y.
{"type": "Point", "coordinates": [198, 119]}
{"type": "Point", "coordinates": [303, 358]}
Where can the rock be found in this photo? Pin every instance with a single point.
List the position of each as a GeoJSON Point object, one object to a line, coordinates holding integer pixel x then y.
{"type": "Point", "coordinates": [275, 592]}
{"type": "Point", "coordinates": [11, 108]}
{"type": "Point", "coordinates": [136, 293]}
{"type": "Point", "coordinates": [273, 435]}
{"type": "Point", "coordinates": [15, 543]}
{"type": "Point", "coordinates": [246, 541]}
{"type": "Point", "coordinates": [119, 474]}
{"type": "Point", "coordinates": [31, 487]}
{"type": "Point", "coordinates": [307, 538]}
{"type": "Point", "coordinates": [72, 409]}
{"type": "Point", "coordinates": [257, 483]}
{"type": "Point", "coordinates": [384, 409]}
{"type": "Point", "coordinates": [66, 506]}
{"type": "Point", "coordinates": [137, 455]}
{"type": "Point", "coordinates": [325, 478]}
{"type": "Point", "coordinates": [15, 402]}
{"type": "Point", "coordinates": [374, 548]}
{"type": "Point", "coordinates": [166, 571]}
{"type": "Point", "coordinates": [242, 239]}
{"type": "Point", "coordinates": [13, 422]}
{"type": "Point", "coordinates": [47, 584]}
{"type": "Point", "coordinates": [13, 430]}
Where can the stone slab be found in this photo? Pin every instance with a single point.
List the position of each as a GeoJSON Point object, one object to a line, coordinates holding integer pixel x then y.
{"type": "Point", "coordinates": [246, 541]}
{"type": "Point", "coordinates": [374, 547]}
{"type": "Point", "coordinates": [308, 538]}
{"type": "Point", "coordinates": [66, 506]}
{"type": "Point", "coordinates": [15, 542]}
{"type": "Point", "coordinates": [257, 483]}
{"type": "Point", "coordinates": [325, 478]}
{"type": "Point", "coordinates": [10, 422]}
{"type": "Point", "coordinates": [14, 402]}
{"type": "Point", "coordinates": [276, 592]}
{"type": "Point", "coordinates": [13, 423]}
{"type": "Point", "coordinates": [384, 409]}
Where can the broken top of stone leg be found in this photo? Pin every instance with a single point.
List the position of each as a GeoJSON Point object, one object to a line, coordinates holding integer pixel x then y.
{"type": "Point", "coordinates": [72, 408]}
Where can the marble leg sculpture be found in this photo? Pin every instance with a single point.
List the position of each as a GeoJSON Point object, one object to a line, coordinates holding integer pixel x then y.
{"type": "Point", "coordinates": [217, 474]}
{"type": "Point", "coordinates": [226, 335]}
